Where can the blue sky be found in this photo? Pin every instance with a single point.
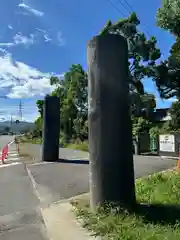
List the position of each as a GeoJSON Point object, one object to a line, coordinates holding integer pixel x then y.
{"type": "Point", "coordinates": [41, 38]}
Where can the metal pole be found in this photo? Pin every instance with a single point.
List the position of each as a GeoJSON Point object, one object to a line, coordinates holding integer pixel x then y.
{"type": "Point", "coordinates": [51, 129]}
{"type": "Point", "coordinates": [110, 130]}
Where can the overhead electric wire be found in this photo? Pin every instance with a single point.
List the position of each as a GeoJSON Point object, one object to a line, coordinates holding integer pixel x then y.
{"type": "Point", "coordinates": [127, 6]}
{"type": "Point", "coordinates": [111, 2]}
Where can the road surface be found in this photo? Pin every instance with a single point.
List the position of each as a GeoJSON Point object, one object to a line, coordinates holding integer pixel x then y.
{"type": "Point", "coordinates": [5, 139]}
{"type": "Point", "coordinates": [20, 217]}
{"type": "Point", "coordinates": [72, 179]}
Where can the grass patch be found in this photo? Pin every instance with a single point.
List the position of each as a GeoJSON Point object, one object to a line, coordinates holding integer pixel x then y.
{"type": "Point", "coordinates": [78, 146]}
{"type": "Point", "coordinates": [24, 139]}
{"type": "Point", "coordinates": [156, 218]}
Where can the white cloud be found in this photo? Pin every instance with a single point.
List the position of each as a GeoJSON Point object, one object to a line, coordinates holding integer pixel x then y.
{"type": "Point", "coordinates": [22, 80]}
{"type": "Point", "coordinates": [47, 38]}
{"type": "Point", "coordinates": [3, 51]}
{"type": "Point", "coordinates": [31, 10]}
{"type": "Point", "coordinates": [60, 39]}
{"type": "Point", "coordinates": [10, 44]}
{"type": "Point", "coordinates": [174, 99]}
{"type": "Point", "coordinates": [10, 27]}
{"type": "Point", "coordinates": [19, 39]}
{"type": "Point", "coordinates": [41, 30]}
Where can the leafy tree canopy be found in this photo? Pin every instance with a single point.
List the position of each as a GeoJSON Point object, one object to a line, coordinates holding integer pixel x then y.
{"type": "Point", "coordinates": [167, 73]}
{"type": "Point", "coordinates": [72, 89]}
{"type": "Point", "coordinates": [143, 52]}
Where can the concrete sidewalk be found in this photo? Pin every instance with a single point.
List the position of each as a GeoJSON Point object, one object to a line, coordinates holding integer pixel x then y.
{"type": "Point", "coordinates": [61, 223]}
{"type": "Point", "coordinates": [26, 214]}
{"type": "Point", "coordinates": [59, 218]}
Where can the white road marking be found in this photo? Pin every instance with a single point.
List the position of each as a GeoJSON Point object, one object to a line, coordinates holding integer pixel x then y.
{"type": "Point", "coordinates": [11, 143]}
{"type": "Point", "coordinates": [41, 163]}
{"type": "Point", "coordinates": [13, 154]}
{"type": "Point", "coordinates": [12, 159]}
{"type": "Point", "coordinates": [9, 164]}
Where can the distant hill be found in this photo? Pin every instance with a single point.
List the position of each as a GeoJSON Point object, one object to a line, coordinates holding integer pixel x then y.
{"type": "Point", "coordinates": [22, 126]}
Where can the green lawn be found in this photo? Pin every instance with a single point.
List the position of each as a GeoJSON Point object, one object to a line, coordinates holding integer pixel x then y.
{"type": "Point", "coordinates": [156, 218]}
{"type": "Point", "coordinates": [77, 146]}
{"type": "Point", "coordinates": [81, 146]}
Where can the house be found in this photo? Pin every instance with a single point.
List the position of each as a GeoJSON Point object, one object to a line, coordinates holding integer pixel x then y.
{"type": "Point", "coordinates": [161, 115]}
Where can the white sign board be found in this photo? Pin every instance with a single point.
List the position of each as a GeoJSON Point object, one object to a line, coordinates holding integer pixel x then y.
{"type": "Point", "coordinates": [166, 143]}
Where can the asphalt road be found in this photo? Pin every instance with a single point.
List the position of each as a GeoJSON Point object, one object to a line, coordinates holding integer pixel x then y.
{"type": "Point", "coordinates": [20, 217]}
{"type": "Point", "coordinates": [5, 139]}
{"type": "Point", "coordinates": [57, 181]}
{"type": "Point", "coordinates": [72, 179]}
{"type": "Point", "coordinates": [35, 151]}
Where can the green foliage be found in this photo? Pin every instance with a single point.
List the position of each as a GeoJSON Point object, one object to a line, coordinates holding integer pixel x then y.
{"type": "Point", "coordinates": [142, 53]}
{"type": "Point", "coordinates": [174, 123]}
{"type": "Point", "coordinates": [7, 129]}
{"type": "Point", "coordinates": [140, 124]}
{"type": "Point", "coordinates": [167, 73]}
{"type": "Point", "coordinates": [155, 219]}
{"type": "Point", "coordinates": [83, 146]}
{"type": "Point", "coordinates": [154, 131]}
{"type": "Point", "coordinates": [142, 105]}
{"type": "Point", "coordinates": [168, 16]}
{"type": "Point", "coordinates": [40, 105]}
{"type": "Point", "coordinates": [72, 89]}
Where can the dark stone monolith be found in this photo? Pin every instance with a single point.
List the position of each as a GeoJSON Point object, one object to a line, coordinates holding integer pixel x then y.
{"type": "Point", "coordinates": [51, 129]}
{"type": "Point", "coordinates": [110, 130]}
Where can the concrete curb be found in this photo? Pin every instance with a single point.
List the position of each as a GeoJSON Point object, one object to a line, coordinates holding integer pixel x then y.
{"type": "Point", "coordinates": [59, 219]}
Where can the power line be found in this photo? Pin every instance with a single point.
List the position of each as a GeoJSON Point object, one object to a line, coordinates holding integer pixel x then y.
{"type": "Point", "coordinates": [117, 9]}
{"type": "Point", "coordinates": [127, 6]}
{"type": "Point", "coordinates": [133, 10]}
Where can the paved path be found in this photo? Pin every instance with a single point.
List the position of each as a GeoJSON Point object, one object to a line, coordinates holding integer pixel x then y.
{"type": "Point", "coordinates": [5, 139]}
{"type": "Point", "coordinates": [20, 217]}
{"type": "Point", "coordinates": [72, 179]}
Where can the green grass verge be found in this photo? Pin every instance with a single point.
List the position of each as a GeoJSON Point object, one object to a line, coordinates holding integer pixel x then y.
{"type": "Point", "coordinates": [82, 146]}
{"type": "Point", "coordinates": [27, 140]}
{"type": "Point", "coordinates": [77, 146]}
{"type": "Point", "coordinates": [158, 218]}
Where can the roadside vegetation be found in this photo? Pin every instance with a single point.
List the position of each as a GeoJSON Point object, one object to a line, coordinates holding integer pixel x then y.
{"type": "Point", "coordinates": [156, 217]}
{"type": "Point", "coordinates": [144, 63]}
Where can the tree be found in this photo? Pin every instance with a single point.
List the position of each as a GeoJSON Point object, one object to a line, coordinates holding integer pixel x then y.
{"type": "Point", "coordinates": [167, 73]}
{"type": "Point", "coordinates": [174, 123]}
{"type": "Point", "coordinates": [168, 16]}
{"type": "Point", "coordinates": [40, 105]}
{"type": "Point", "coordinates": [143, 53]}
{"type": "Point", "coordinates": [7, 129]}
{"type": "Point", "coordinates": [72, 91]}
{"type": "Point", "coordinates": [142, 105]}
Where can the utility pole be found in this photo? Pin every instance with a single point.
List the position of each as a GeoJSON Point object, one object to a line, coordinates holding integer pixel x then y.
{"type": "Point", "coordinates": [110, 130]}
{"type": "Point", "coordinates": [20, 110]}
